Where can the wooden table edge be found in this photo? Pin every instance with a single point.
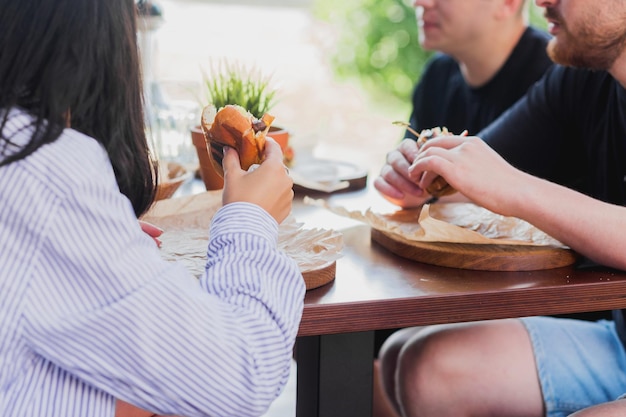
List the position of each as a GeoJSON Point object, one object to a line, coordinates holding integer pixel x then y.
{"type": "Point", "coordinates": [318, 319]}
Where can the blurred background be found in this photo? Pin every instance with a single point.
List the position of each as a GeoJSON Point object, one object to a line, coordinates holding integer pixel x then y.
{"type": "Point", "coordinates": [344, 71]}
{"type": "Point", "coordinates": [297, 44]}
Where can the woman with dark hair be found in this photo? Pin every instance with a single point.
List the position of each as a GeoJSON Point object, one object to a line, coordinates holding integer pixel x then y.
{"type": "Point", "coordinates": [89, 311]}
{"type": "Point", "coordinates": [77, 68]}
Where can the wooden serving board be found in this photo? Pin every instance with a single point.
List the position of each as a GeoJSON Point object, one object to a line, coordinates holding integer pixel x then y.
{"type": "Point", "coordinates": [317, 277]}
{"type": "Point", "coordinates": [484, 257]}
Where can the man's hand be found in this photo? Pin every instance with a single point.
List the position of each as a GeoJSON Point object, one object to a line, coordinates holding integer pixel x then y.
{"type": "Point", "coordinates": [269, 186]}
{"type": "Point", "coordinates": [470, 166]}
{"type": "Point", "coordinates": [394, 182]}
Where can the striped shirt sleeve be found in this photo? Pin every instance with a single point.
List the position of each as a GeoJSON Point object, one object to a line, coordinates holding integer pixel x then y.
{"type": "Point", "coordinates": [104, 309]}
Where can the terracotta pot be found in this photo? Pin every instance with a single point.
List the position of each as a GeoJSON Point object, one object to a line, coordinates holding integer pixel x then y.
{"type": "Point", "coordinates": [280, 135]}
{"type": "Point", "coordinates": [212, 180]}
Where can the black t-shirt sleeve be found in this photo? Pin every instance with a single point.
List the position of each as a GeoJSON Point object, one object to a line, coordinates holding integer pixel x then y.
{"type": "Point", "coordinates": [532, 135]}
{"type": "Point", "coordinates": [429, 100]}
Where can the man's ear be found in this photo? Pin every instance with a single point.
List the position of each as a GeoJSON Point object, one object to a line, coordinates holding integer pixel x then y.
{"type": "Point", "coordinates": [509, 8]}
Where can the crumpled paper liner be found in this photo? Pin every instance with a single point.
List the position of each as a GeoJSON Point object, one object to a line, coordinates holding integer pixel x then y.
{"type": "Point", "coordinates": [186, 222]}
{"type": "Point", "coordinates": [451, 223]}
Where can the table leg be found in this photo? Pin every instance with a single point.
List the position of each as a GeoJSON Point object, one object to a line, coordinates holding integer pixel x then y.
{"type": "Point", "coordinates": [335, 375]}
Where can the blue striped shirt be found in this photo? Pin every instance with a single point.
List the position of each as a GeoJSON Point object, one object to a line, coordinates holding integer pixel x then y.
{"type": "Point", "coordinates": [90, 312]}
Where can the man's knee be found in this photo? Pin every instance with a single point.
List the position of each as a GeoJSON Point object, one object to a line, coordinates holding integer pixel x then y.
{"type": "Point", "coordinates": [426, 371]}
{"type": "Point", "coordinates": [388, 360]}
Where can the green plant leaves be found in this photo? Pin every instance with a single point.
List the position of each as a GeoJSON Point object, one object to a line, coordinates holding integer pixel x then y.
{"type": "Point", "coordinates": [233, 83]}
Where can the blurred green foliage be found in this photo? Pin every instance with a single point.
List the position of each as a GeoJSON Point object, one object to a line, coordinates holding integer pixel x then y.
{"type": "Point", "coordinates": [234, 83]}
{"type": "Point", "coordinates": [377, 43]}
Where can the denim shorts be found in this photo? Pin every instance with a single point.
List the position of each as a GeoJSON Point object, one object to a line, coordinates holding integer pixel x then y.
{"type": "Point", "coordinates": [580, 363]}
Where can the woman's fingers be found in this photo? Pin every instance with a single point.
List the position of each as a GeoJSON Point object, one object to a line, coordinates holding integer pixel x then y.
{"type": "Point", "coordinates": [151, 230]}
{"type": "Point", "coordinates": [268, 186]}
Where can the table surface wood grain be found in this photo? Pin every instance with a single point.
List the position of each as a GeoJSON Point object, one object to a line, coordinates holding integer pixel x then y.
{"type": "Point", "coordinates": [375, 289]}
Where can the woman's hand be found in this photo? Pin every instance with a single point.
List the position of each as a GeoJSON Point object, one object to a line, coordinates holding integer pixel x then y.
{"type": "Point", "coordinates": [394, 182]}
{"type": "Point", "coordinates": [152, 231]}
{"type": "Point", "coordinates": [269, 186]}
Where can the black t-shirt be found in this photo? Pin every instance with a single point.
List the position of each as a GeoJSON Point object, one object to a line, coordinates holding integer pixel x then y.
{"type": "Point", "coordinates": [570, 129]}
{"type": "Point", "coordinates": [442, 98]}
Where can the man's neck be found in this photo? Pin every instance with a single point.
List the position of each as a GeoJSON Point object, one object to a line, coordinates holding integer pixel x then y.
{"type": "Point", "coordinates": [480, 64]}
{"type": "Point", "coordinates": [618, 69]}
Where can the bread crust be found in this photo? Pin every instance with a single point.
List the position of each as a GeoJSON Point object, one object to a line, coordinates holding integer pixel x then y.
{"type": "Point", "coordinates": [232, 126]}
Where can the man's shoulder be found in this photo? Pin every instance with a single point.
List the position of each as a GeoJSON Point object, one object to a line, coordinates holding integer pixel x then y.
{"type": "Point", "coordinates": [534, 35]}
{"type": "Point", "coordinates": [529, 59]}
{"type": "Point", "coordinates": [440, 66]}
{"type": "Point", "coordinates": [532, 49]}
{"type": "Point", "coordinates": [577, 78]}
{"type": "Point", "coordinates": [439, 60]}
{"type": "Point", "coordinates": [441, 73]}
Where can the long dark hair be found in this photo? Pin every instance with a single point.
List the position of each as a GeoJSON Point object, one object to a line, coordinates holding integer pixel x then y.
{"type": "Point", "coordinates": [77, 61]}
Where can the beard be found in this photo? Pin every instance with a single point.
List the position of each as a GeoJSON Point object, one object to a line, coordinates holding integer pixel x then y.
{"type": "Point", "coordinates": [591, 46]}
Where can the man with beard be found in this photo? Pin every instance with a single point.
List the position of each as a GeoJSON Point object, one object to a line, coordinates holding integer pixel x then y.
{"type": "Point", "coordinates": [487, 58]}
{"type": "Point", "coordinates": [557, 159]}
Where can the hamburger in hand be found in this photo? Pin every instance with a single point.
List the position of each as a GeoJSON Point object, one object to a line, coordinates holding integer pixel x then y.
{"type": "Point", "coordinates": [439, 187]}
{"type": "Point", "coordinates": [234, 126]}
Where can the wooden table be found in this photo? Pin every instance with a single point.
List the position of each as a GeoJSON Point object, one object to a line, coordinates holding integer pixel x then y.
{"type": "Point", "coordinates": [375, 289]}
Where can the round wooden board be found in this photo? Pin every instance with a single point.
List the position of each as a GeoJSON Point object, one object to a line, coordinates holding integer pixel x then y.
{"type": "Point", "coordinates": [317, 277]}
{"type": "Point", "coordinates": [476, 256]}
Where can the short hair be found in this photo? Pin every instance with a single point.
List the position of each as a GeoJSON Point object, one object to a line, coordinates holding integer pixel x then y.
{"type": "Point", "coordinates": [78, 58]}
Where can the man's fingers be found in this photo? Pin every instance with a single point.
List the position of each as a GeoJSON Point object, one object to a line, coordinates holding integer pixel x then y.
{"type": "Point", "coordinates": [446, 142]}
{"type": "Point", "coordinates": [401, 182]}
{"type": "Point", "coordinates": [409, 149]}
{"type": "Point", "coordinates": [386, 189]}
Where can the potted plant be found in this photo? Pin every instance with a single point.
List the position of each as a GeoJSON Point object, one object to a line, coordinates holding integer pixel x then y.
{"type": "Point", "coordinates": [229, 83]}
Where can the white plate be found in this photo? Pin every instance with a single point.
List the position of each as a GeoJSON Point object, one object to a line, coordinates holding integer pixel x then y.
{"type": "Point", "coordinates": [326, 175]}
